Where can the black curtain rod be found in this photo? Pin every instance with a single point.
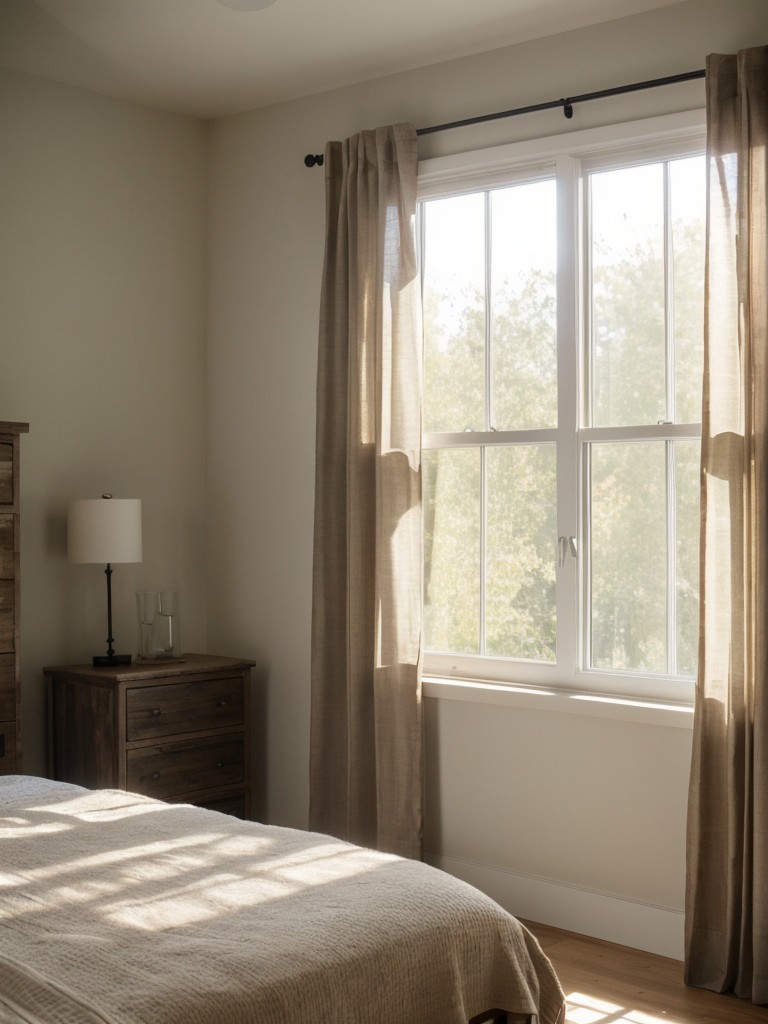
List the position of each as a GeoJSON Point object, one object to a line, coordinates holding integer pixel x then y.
{"type": "Point", "coordinates": [315, 159]}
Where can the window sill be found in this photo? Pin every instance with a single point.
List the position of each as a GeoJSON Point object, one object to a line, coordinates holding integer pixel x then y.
{"type": "Point", "coordinates": [535, 698]}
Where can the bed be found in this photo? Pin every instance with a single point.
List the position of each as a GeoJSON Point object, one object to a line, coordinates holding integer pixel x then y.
{"type": "Point", "coordinates": [120, 909]}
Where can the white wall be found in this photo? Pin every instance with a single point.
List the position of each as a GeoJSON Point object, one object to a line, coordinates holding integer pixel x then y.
{"type": "Point", "coordinates": [568, 819]}
{"type": "Point", "coordinates": [102, 292]}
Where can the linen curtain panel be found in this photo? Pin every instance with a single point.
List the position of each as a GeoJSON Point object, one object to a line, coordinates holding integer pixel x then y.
{"type": "Point", "coordinates": [727, 890]}
{"type": "Point", "coordinates": [366, 721]}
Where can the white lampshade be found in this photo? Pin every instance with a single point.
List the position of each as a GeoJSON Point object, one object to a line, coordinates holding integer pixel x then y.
{"type": "Point", "coordinates": [104, 530]}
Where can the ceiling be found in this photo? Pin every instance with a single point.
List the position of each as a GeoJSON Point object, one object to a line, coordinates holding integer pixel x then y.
{"type": "Point", "coordinates": [201, 58]}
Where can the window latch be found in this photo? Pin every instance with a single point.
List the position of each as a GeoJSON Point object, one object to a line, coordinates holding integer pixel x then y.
{"type": "Point", "coordinates": [565, 546]}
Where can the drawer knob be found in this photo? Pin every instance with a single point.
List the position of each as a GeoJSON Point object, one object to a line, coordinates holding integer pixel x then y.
{"type": "Point", "coordinates": [156, 711]}
{"type": "Point", "coordinates": [222, 704]}
{"type": "Point", "coordinates": [219, 764]}
{"type": "Point", "coordinates": [155, 776]}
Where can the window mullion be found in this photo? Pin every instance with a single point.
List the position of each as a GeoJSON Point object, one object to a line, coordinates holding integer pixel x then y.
{"type": "Point", "coordinates": [489, 354]}
{"type": "Point", "coordinates": [483, 542]}
{"type": "Point", "coordinates": [585, 623]}
{"type": "Point", "coordinates": [671, 560]}
{"type": "Point", "coordinates": [669, 356]}
{"type": "Point", "coordinates": [489, 414]}
{"type": "Point", "coordinates": [568, 401]}
{"type": "Point", "coordinates": [669, 301]}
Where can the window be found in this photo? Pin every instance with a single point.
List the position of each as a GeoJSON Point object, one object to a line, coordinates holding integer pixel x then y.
{"type": "Point", "coordinates": [563, 308]}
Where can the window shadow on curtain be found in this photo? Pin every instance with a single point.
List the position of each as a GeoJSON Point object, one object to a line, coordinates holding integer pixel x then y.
{"type": "Point", "coordinates": [727, 887]}
{"type": "Point", "coordinates": [366, 746]}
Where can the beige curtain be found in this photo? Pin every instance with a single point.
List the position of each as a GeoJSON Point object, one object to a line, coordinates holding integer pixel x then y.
{"type": "Point", "coordinates": [727, 892]}
{"type": "Point", "coordinates": [366, 722]}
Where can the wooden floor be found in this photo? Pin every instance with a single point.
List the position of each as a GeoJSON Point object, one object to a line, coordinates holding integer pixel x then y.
{"type": "Point", "coordinates": [608, 984]}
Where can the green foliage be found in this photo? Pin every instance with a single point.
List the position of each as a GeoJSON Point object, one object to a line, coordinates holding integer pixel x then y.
{"type": "Point", "coordinates": [629, 530]}
{"type": "Point", "coordinates": [520, 522]}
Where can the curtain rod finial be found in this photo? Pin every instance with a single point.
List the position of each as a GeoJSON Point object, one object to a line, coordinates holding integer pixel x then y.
{"type": "Point", "coordinates": [313, 159]}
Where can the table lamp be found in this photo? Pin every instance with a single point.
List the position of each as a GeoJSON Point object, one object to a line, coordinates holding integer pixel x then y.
{"type": "Point", "coordinates": [105, 529]}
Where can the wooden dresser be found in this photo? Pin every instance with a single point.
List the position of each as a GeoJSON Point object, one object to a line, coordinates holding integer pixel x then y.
{"type": "Point", "coordinates": [10, 661]}
{"type": "Point", "coordinates": [178, 731]}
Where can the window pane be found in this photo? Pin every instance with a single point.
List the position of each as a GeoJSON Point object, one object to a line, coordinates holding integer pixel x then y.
{"type": "Point", "coordinates": [523, 309]}
{"type": "Point", "coordinates": [452, 550]}
{"type": "Point", "coordinates": [687, 554]}
{"type": "Point", "coordinates": [629, 556]}
{"type": "Point", "coordinates": [687, 188]}
{"type": "Point", "coordinates": [490, 262]}
{"type": "Point", "coordinates": [628, 296]}
{"type": "Point", "coordinates": [520, 552]}
{"type": "Point", "coordinates": [454, 313]}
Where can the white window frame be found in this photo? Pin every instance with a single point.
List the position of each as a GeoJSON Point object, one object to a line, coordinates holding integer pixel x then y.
{"type": "Point", "coordinates": [567, 157]}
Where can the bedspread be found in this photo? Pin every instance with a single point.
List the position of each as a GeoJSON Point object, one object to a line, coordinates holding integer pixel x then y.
{"type": "Point", "coordinates": [119, 909]}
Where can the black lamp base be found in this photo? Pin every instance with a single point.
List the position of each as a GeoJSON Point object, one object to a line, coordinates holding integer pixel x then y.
{"type": "Point", "coordinates": [112, 659]}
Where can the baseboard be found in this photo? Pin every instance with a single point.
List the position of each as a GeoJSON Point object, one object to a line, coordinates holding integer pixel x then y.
{"type": "Point", "coordinates": [600, 915]}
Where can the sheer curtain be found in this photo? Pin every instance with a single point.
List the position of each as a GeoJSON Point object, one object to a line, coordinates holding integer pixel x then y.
{"type": "Point", "coordinates": [727, 892]}
{"type": "Point", "coordinates": [366, 722]}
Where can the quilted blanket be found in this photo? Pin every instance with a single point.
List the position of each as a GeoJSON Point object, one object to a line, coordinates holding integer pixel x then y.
{"type": "Point", "coordinates": [119, 909]}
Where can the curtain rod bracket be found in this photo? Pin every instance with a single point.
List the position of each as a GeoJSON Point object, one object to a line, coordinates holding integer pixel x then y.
{"type": "Point", "coordinates": [567, 108]}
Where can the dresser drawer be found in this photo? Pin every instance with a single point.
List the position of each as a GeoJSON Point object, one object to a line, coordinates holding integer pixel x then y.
{"type": "Point", "coordinates": [6, 473]}
{"type": "Point", "coordinates": [154, 711]}
{"type": "Point", "coordinates": [172, 769]}
{"type": "Point", "coordinates": [7, 687]}
{"type": "Point", "coordinates": [7, 631]}
{"type": "Point", "coordinates": [7, 561]}
{"type": "Point", "coordinates": [234, 805]}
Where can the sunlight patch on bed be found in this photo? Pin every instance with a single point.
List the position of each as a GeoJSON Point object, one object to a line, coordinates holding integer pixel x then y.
{"type": "Point", "coordinates": [204, 876]}
{"type": "Point", "coordinates": [111, 858]}
{"type": "Point", "coordinates": [213, 895]}
{"type": "Point", "coordinates": [9, 881]}
{"type": "Point", "coordinates": [208, 874]}
{"type": "Point", "coordinates": [313, 865]}
{"type": "Point", "coordinates": [210, 899]}
{"type": "Point", "coordinates": [79, 807]}
{"type": "Point", "coordinates": [323, 864]}
{"type": "Point", "coordinates": [18, 828]}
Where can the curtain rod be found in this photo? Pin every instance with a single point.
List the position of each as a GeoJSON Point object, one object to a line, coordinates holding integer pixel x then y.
{"type": "Point", "coordinates": [315, 159]}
